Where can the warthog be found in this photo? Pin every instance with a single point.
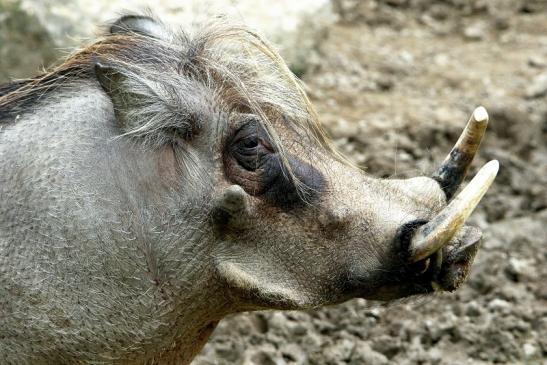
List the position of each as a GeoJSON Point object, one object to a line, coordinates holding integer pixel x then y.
{"type": "Point", "coordinates": [155, 182]}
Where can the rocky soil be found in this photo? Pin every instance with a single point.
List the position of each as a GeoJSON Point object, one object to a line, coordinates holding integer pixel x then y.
{"type": "Point", "coordinates": [395, 82]}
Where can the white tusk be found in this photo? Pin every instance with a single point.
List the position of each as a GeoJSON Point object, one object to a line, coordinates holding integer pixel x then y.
{"type": "Point", "coordinates": [454, 167]}
{"type": "Point", "coordinates": [432, 236]}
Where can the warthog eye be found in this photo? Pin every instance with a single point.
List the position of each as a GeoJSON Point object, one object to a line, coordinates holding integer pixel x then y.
{"type": "Point", "coordinates": [249, 158]}
{"type": "Point", "coordinates": [251, 146]}
{"type": "Point", "coordinates": [252, 162]}
{"type": "Point", "coordinates": [250, 142]}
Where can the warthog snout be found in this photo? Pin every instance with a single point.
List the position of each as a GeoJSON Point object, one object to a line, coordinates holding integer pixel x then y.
{"type": "Point", "coordinates": [441, 249]}
{"type": "Point", "coordinates": [444, 238]}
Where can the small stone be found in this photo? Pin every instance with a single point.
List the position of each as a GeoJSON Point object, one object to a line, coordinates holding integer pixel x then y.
{"type": "Point", "coordinates": [311, 340]}
{"type": "Point", "coordinates": [406, 57]}
{"type": "Point", "coordinates": [278, 323]}
{"type": "Point", "coordinates": [473, 309]}
{"type": "Point", "coordinates": [299, 330]}
{"type": "Point", "coordinates": [537, 62]}
{"type": "Point", "coordinates": [529, 349]}
{"type": "Point", "coordinates": [538, 88]}
{"type": "Point", "coordinates": [339, 351]}
{"type": "Point", "coordinates": [441, 59]}
{"type": "Point", "coordinates": [373, 312]}
{"type": "Point", "coordinates": [519, 269]}
{"type": "Point", "coordinates": [499, 305]}
{"type": "Point", "coordinates": [364, 354]}
{"type": "Point", "coordinates": [502, 22]}
{"type": "Point", "coordinates": [475, 31]}
{"type": "Point", "coordinates": [397, 2]}
{"type": "Point", "coordinates": [293, 354]}
{"type": "Point", "coordinates": [435, 355]}
{"type": "Point", "coordinates": [386, 345]}
{"type": "Point", "coordinates": [343, 128]}
{"type": "Point", "coordinates": [264, 357]}
{"type": "Point", "coordinates": [384, 83]}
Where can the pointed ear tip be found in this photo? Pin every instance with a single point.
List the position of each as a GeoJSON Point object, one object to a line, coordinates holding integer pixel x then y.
{"type": "Point", "coordinates": [140, 24]}
{"type": "Point", "coordinates": [123, 19]}
{"type": "Point", "coordinates": [107, 76]}
{"type": "Point", "coordinates": [135, 17]}
{"type": "Point", "coordinates": [100, 69]}
{"type": "Point", "coordinates": [123, 23]}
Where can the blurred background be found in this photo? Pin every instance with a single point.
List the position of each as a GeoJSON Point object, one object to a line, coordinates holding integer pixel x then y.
{"type": "Point", "coordinates": [394, 82]}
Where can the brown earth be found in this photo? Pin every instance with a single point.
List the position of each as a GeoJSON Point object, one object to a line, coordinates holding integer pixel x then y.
{"type": "Point", "coordinates": [395, 82]}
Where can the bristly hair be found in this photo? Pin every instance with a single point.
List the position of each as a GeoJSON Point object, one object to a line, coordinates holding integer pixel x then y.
{"type": "Point", "coordinates": [241, 68]}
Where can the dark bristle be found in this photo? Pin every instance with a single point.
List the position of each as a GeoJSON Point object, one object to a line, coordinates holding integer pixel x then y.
{"type": "Point", "coordinates": [12, 86]}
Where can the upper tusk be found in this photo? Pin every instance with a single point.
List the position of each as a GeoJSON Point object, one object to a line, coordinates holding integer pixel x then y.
{"type": "Point", "coordinates": [430, 237]}
{"type": "Point", "coordinates": [454, 168]}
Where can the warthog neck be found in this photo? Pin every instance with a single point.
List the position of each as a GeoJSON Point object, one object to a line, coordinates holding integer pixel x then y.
{"type": "Point", "coordinates": [86, 277]}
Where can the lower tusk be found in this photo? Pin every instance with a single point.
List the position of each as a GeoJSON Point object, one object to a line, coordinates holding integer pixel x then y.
{"type": "Point", "coordinates": [432, 236]}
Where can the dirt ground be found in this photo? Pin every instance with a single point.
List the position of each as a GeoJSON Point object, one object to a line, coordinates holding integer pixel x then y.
{"type": "Point", "coordinates": [395, 82]}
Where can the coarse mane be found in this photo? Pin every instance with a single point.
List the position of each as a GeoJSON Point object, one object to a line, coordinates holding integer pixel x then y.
{"type": "Point", "coordinates": [237, 62]}
{"type": "Point", "coordinates": [242, 68]}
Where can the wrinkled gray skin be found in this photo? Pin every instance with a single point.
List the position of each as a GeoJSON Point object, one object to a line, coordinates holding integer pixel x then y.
{"type": "Point", "coordinates": [113, 252]}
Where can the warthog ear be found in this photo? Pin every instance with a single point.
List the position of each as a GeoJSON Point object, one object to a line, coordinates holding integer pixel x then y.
{"type": "Point", "coordinates": [108, 77]}
{"type": "Point", "coordinates": [112, 81]}
{"type": "Point", "coordinates": [139, 24]}
{"type": "Point", "coordinates": [121, 90]}
{"type": "Point", "coordinates": [145, 108]}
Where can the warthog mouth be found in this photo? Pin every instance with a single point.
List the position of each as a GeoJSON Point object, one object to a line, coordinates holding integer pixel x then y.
{"type": "Point", "coordinates": [457, 260]}
{"type": "Point", "coordinates": [444, 247]}
{"type": "Point", "coordinates": [447, 268]}
{"type": "Point", "coordinates": [437, 255]}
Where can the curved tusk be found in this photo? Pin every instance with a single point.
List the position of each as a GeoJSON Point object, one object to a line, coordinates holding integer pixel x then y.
{"type": "Point", "coordinates": [432, 236]}
{"type": "Point", "coordinates": [454, 167]}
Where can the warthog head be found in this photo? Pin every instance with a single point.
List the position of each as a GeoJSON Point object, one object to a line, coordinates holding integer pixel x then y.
{"type": "Point", "coordinates": [155, 182]}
